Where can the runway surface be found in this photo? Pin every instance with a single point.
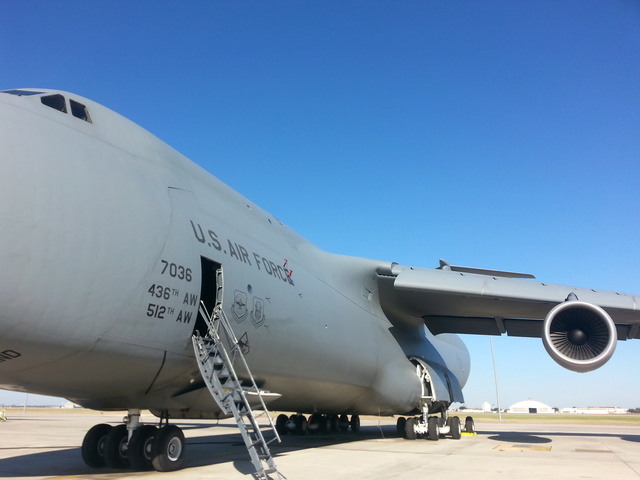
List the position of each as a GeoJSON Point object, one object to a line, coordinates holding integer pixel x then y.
{"type": "Point", "coordinates": [47, 446]}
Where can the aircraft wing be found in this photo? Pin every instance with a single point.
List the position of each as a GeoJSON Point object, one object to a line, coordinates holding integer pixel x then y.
{"type": "Point", "coordinates": [487, 302]}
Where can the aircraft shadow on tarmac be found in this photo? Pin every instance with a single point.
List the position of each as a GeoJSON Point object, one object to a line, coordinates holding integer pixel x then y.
{"type": "Point", "coordinates": [518, 437]}
{"type": "Point", "coordinates": [547, 437]}
{"type": "Point", "coordinates": [201, 451]}
{"type": "Point", "coordinates": [229, 447]}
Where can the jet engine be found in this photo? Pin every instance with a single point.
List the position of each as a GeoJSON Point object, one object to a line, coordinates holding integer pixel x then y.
{"type": "Point", "coordinates": [579, 336]}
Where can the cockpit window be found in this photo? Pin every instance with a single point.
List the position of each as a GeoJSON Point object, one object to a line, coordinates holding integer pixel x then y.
{"type": "Point", "coordinates": [79, 111]}
{"type": "Point", "coordinates": [55, 101]}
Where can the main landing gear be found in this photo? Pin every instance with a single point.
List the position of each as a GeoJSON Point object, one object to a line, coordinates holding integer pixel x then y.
{"type": "Point", "coordinates": [433, 427]}
{"type": "Point", "coordinates": [133, 445]}
{"type": "Point", "coordinates": [317, 423]}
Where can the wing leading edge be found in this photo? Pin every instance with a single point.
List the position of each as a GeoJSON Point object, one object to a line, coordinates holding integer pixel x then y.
{"type": "Point", "coordinates": [459, 302]}
{"type": "Point", "coordinates": [576, 324]}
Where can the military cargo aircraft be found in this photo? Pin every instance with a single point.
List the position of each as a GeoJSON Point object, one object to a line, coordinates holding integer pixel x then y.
{"type": "Point", "coordinates": [133, 279]}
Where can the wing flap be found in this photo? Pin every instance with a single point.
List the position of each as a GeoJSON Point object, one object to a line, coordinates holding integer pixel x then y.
{"type": "Point", "coordinates": [484, 326]}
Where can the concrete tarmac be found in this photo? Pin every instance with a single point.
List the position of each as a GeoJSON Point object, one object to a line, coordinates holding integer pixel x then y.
{"type": "Point", "coordinates": [47, 446]}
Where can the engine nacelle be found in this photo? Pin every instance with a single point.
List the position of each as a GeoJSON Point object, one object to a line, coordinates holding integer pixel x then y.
{"type": "Point", "coordinates": [579, 336]}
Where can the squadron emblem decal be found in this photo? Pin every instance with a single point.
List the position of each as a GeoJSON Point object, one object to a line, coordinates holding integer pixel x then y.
{"type": "Point", "coordinates": [239, 309]}
{"type": "Point", "coordinates": [257, 314]}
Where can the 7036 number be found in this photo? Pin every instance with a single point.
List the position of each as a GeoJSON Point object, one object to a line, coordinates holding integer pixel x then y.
{"type": "Point", "coordinates": [176, 271]}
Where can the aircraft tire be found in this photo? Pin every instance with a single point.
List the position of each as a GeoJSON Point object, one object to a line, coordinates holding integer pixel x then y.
{"type": "Point", "coordinates": [116, 454]}
{"type": "Point", "coordinates": [302, 426]}
{"type": "Point", "coordinates": [355, 423]}
{"type": "Point", "coordinates": [93, 445]}
{"type": "Point", "coordinates": [141, 447]}
{"type": "Point", "coordinates": [433, 430]}
{"type": "Point", "coordinates": [401, 425]}
{"type": "Point", "coordinates": [314, 423]}
{"type": "Point", "coordinates": [344, 423]}
{"type": "Point", "coordinates": [454, 428]}
{"type": "Point", "coordinates": [324, 424]}
{"type": "Point", "coordinates": [168, 449]}
{"type": "Point", "coordinates": [334, 423]}
{"type": "Point", "coordinates": [469, 425]}
{"type": "Point", "coordinates": [410, 429]}
{"type": "Point", "coordinates": [281, 424]}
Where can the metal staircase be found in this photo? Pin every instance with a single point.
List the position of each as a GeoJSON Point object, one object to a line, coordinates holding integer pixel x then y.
{"type": "Point", "coordinates": [230, 393]}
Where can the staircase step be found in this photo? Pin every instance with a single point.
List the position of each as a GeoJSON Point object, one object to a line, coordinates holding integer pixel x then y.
{"type": "Point", "coordinates": [217, 369]}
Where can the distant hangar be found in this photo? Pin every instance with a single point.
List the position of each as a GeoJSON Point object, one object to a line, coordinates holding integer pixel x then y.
{"type": "Point", "coordinates": [530, 406]}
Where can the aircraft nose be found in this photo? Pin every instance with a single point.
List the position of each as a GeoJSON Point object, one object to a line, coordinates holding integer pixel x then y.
{"type": "Point", "coordinates": [81, 220]}
{"type": "Point", "coordinates": [50, 212]}
{"type": "Point", "coordinates": [13, 223]}
{"type": "Point", "coordinates": [21, 191]}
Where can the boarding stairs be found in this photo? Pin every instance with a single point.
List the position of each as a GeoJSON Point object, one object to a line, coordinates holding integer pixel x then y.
{"type": "Point", "coordinates": [216, 362]}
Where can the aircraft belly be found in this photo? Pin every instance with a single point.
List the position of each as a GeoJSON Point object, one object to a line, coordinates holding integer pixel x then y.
{"type": "Point", "coordinates": [88, 374]}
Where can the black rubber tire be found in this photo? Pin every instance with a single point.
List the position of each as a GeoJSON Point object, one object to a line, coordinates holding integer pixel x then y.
{"type": "Point", "coordinates": [314, 423]}
{"type": "Point", "coordinates": [168, 449]}
{"type": "Point", "coordinates": [281, 424]}
{"type": "Point", "coordinates": [433, 430]}
{"type": "Point", "coordinates": [116, 454]}
{"type": "Point", "coordinates": [469, 425]}
{"type": "Point", "coordinates": [454, 428]}
{"type": "Point", "coordinates": [93, 445]}
{"type": "Point", "coordinates": [293, 417]}
{"type": "Point", "coordinates": [355, 423]}
{"type": "Point", "coordinates": [410, 429]}
{"type": "Point", "coordinates": [344, 423]}
{"type": "Point", "coordinates": [324, 424]}
{"type": "Point", "coordinates": [302, 426]}
{"type": "Point", "coordinates": [401, 425]}
{"type": "Point", "coordinates": [334, 423]}
{"type": "Point", "coordinates": [141, 447]}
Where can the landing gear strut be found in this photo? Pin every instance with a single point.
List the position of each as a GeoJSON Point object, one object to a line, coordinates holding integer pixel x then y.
{"type": "Point", "coordinates": [141, 447]}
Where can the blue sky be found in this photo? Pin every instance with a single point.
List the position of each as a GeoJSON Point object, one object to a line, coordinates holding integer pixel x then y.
{"type": "Point", "coordinates": [495, 134]}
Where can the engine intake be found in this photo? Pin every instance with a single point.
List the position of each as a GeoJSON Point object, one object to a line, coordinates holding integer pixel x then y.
{"type": "Point", "coordinates": [579, 336]}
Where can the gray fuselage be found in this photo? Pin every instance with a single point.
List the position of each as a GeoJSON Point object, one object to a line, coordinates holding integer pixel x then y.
{"type": "Point", "coordinates": [107, 240]}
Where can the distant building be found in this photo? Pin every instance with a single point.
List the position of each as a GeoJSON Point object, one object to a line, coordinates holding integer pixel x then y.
{"type": "Point", "coordinates": [472, 410]}
{"type": "Point", "coordinates": [596, 410]}
{"type": "Point", "coordinates": [530, 406]}
{"type": "Point", "coordinates": [486, 407]}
